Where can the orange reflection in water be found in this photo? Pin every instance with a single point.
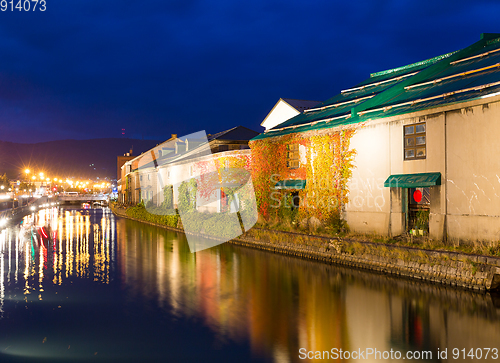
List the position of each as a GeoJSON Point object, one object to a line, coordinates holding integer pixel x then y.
{"type": "Point", "coordinates": [238, 295]}
{"type": "Point", "coordinates": [281, 304]}
{"type": "Point", "coordinates": [53, 245]}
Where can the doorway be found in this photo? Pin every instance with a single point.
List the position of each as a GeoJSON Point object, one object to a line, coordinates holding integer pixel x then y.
{"type": "Point", "coordinates": [419, 202]}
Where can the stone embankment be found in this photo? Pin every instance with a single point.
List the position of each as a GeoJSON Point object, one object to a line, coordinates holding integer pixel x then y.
{"type": "Point", "coordinates": [445, 267]}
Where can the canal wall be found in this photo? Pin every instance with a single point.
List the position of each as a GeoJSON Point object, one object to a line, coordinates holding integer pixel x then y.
{"type": "Point", "coordinates": [15, 215]}
{"type": "Point", "coordinates": [445, 267]}
{"type": "Point", "coordinates": [450, 268]}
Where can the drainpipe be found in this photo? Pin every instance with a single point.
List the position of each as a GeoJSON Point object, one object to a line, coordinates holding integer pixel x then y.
{"type": "Point", "coordinates": [445, 223]}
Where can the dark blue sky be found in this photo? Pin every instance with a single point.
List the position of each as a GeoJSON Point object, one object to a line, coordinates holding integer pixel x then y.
{"type": "Point", "coordinates": [88, 68]}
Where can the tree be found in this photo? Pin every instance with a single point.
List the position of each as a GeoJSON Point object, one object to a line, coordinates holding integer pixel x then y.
{"type": "Point", "coordinates": [26, 187]}
{"type": "Point", "coordinates": [5, 182]}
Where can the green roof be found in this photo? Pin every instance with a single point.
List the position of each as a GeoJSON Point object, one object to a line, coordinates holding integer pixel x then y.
{"type": "Point", "coordinates": [451, 78]}
{"type": "Point", "coordinates": [420, 180]}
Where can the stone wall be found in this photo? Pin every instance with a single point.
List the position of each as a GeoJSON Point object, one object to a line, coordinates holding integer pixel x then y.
{"type": "Point", "coordinates": [451, 268]}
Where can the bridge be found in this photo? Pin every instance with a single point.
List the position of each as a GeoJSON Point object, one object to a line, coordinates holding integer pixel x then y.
{"type": "Point", "coordinates": [82, 198]}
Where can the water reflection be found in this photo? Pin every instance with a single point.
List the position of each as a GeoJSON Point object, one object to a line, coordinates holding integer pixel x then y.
{"type": "Point", "coordinates": [80, 285]}
{"type": "Point", "coordinates": [54, 245]}
{"type": "Point", "coordinates": [281, 304]}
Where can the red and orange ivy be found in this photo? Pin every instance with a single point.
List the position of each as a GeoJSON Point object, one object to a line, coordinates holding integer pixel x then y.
{"type": "Point", "coordinates": [328, 167]}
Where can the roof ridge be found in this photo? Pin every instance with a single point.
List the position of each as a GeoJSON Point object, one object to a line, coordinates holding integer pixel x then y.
{"type": "Point", "coordinates": [422, 75]}
{"type": "Point", "coordinates": [413, 65]}
{"type": "Point", "coordinates": [297, 99]}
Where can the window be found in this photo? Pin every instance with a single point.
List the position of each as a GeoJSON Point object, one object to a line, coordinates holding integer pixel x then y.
{"type": "Point", "coordinates": [292, 156]}
{"type": "Point", "coordinates": [223, 148]}
{"type": "Point", "coordinates": [414, 136]}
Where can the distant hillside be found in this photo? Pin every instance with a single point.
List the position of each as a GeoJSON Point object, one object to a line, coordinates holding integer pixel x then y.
{"type": "Point", "coordinates": [78, 158]}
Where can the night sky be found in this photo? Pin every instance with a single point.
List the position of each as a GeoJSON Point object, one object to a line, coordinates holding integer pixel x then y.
{"type": "Point", "coordinates": [88, 68]}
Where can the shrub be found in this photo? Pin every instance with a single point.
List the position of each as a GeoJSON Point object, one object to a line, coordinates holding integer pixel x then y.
{"type": "Point", "coordinates": [168, 197]}
{"type": "Point", "coordinates": [150, 204]}
{"type": "Point", "coordinates": [422, 220]}
{"type": "Point", "coordinates": [140, 212]}
{"type": "Point", "coordinates": [187, 195]}
{"type": "Point", "coordinates": [337, 224]}
{"type": "Point", "coordinates": [212, 224]}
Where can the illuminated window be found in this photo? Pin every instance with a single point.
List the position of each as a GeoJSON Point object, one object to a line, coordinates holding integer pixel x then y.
{"type": "Point", "coordinates": [414, 136]}
{"type": "Point", "coordinates": [292, 156]}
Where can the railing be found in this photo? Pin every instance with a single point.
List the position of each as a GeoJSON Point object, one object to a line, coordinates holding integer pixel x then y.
{"type": "Point", "coordinates": [82, 197]}
{"type": "Point", "coordinates": [7, 214]}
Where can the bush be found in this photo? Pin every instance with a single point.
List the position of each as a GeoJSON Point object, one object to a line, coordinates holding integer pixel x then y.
{"type": "Point", "coordinates": [212, 224]}
{"type": "Point", "coordinates": [337, 224]}
{"type": "Point", "coordinates": [187, 195]}
{"type": "Point", "coordinates": [140, 212]}
{"type": "Point", "coordinates": [422, 220]}
{"type": "Point", "coordinates": [168, 197]}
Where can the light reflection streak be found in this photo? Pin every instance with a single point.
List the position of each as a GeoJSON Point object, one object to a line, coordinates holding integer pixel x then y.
{"type": "Point", "coordinates": [2, 282]}
{"type": "Point", "coordinates": [280, 304]}
{"type": "Point", "coordinates": [51, 246]}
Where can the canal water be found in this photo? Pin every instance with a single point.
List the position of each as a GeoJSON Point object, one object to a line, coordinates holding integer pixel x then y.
{"type": "Point", "coordinates": [84, 285]}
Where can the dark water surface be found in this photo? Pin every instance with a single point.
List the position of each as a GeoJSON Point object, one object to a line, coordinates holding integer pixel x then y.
{"type": "Point", "coordinates": [84, 285]}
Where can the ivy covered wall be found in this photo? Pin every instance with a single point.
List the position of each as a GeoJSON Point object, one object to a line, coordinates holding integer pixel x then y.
{"type": "Point", "coordinates": [326, 166]}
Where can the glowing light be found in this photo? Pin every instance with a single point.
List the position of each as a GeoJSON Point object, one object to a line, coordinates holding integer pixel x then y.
{"type": "Point", "coordinates": [41, 174]}
{"type": "Point", "coordinates": [417, 196]}
{"type": "Point", "coordinates": [43, 232]}
{"type": "Point", "coordinates": [27, 171]}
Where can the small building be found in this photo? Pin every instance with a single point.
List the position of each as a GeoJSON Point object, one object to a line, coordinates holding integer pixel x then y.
{"type": "Point", "coordinates": [145, 177]}
{"type": "Point", "coordinates": [411, 147]}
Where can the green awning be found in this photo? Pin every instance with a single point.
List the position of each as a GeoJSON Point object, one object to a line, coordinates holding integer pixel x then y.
{"type": "Point", "coordinates": [420, 180]}
{"type": "Point", "coordinates": [290, 184]}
